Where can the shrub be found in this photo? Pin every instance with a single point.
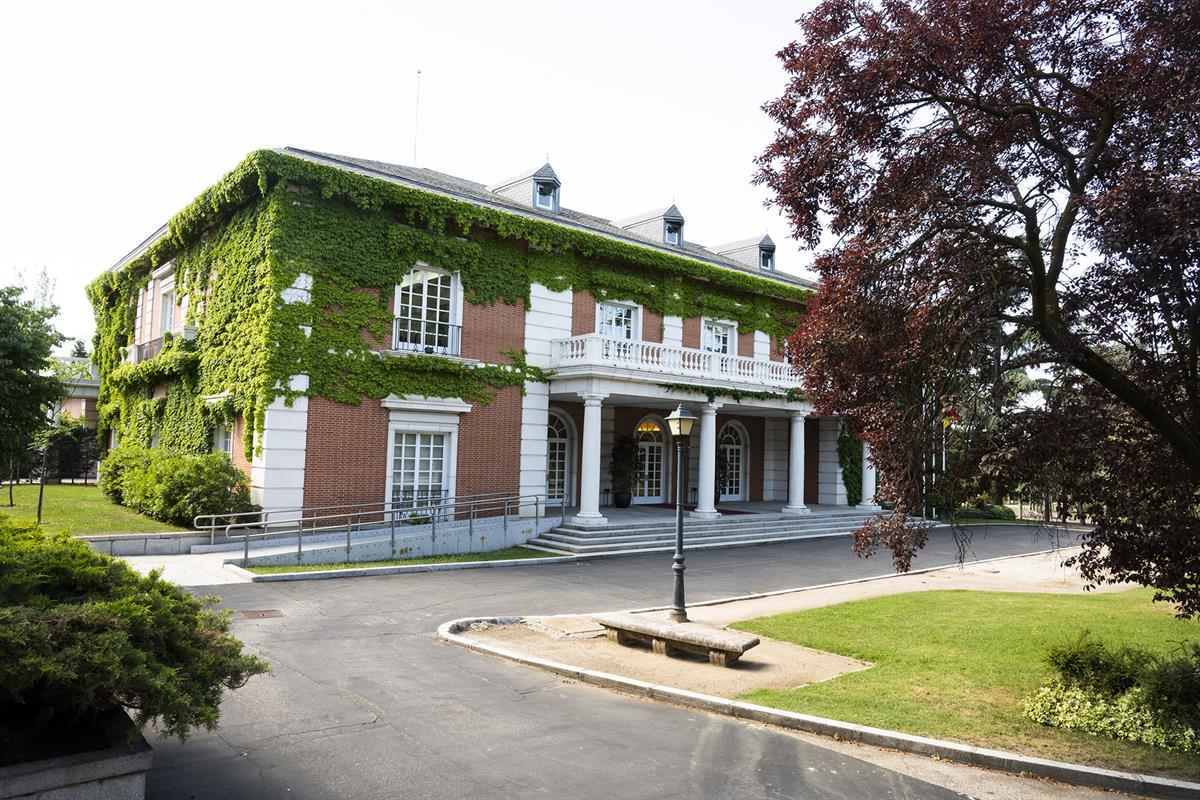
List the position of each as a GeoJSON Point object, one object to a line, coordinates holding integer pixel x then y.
{"type": "Point", "coordinates": [82, 633]}
{"type": "Point", "coordinates": [1125, 692]}
{"type": "Point", "coordinates": [114, 467]}
{"type": "Point", "coordinates": [1094, 665]}
{"type": "Point", "coordinates": [985, 511]}
{"type": "Point", "coordinates": [175, 488]}
{"type": "Point", "coordinates": [1126, 716]}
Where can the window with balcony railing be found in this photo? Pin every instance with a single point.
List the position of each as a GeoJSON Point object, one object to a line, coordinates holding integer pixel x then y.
{"type": "Point", "coordinates": [425, 315]}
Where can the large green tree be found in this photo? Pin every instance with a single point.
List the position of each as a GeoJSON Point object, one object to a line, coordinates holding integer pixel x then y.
{"type": "Point", "coordinates": [28, 386]}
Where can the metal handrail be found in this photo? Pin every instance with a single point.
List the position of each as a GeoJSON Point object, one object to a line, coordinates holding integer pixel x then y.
{"type": "Point", "coordinates": [209, 521]}
{"type": "Point", "coordinates": [449, 511]}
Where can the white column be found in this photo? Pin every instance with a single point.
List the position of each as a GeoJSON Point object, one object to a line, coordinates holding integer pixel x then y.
{"type": "Point", "coordinates": [795, 503]}
{"type": "Point", "coordinates": [705, 501]}
{"type": "Point", "coordinates": [589, 479]}
{"type": "Point", "coordinates": [867, 501]}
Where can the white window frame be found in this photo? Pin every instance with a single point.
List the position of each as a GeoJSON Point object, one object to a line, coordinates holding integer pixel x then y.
{"type": "Point", "coordinates": [223, 439]}
{"type": "Point", "coordinates": [731, 335]}
{"type": "Point", "coordinates": [456, 311]}
{"type": "Point", "coordinates": [769, 256]}
{"type": "Point", "coordinates": [635, 318]}
{"type": "Point", "coordinates": [569, 477]}
{"type": "Point", "coordinates": [166, 310]}
{"type": "Point", "coordinates": [551, 199]}
{"type": "Point", "coordinates": [667, 233]}
{"type": "Point", "coordinates": [416, 414]}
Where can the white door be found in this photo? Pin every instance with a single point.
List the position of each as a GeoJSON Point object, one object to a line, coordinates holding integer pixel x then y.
{"type": "Point", "coordinates": [651, 450]}
{"type": "Point", "coordinates": [732, 448]}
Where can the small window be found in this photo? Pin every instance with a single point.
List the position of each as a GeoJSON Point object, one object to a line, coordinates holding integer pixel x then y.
{"type": "Point", "coordinates": [167, 319]}
{"type": "Point", "coordinates": [616, 321]}
{"type": "Point", "coordinates": [766, 259]}
{"type": "Point", "coordinates": [544, 195]}
{"type": "Point", "coordinates": [223, 440]}
{"type": "Point", "coordinates": [673, 233]}
{"type": "Point", "coordinates": [717, 337]}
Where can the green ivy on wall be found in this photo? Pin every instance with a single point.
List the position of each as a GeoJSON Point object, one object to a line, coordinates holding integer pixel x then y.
{"type": "Point", "coordinates": [792, 395]}
{"type": "Point", "coordinates": [850, 451]}
{"type": "Point", "coordinates": [248, 237]}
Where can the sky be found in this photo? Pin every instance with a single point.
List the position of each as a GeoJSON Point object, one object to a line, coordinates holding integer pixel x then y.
{"type": "Point", "coordinates": [118, 114]}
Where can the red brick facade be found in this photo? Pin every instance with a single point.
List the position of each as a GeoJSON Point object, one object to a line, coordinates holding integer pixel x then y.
{"type": "Point", "coordinates": [489, 446]}
{"type": "Point", "coordinates": [238, 446]}
{"type": "Point", "coordinates": [346, 445]}
{"type": "Point", "coordinates": [745, 344]}
{"type": "Point", "coordinates": [652, 326]}
{"type": "Point", "coordinates": [346, 453]}
{"type": "Point", "coordinates": [489, 330]}
{"type": "Point", "coordinates": [583, 313]}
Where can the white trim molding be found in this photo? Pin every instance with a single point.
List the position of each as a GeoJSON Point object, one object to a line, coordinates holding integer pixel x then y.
{"type": "Point", "coordinates": [420, 414]}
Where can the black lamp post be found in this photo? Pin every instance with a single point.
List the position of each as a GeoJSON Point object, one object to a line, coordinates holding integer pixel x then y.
{"type": "Point", "coordinates": [680, 423]}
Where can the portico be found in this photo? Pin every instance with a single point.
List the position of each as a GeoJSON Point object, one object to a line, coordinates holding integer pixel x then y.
{"type": "Point", "coordinates": [763, 452]}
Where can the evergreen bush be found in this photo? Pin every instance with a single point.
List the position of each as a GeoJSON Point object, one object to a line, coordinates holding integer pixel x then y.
{"type": "Point", "coordinates": [82, 633]}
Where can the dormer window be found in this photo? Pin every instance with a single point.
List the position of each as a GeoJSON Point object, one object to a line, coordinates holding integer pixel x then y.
{"type": "Point", "coordinates": [673, 233]}
{"type": "Point", "coordinates": [545, 195]}
{"type": "Point", "coordinates": [766, 259]}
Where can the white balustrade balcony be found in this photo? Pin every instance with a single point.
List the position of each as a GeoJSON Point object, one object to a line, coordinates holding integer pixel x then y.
{"type": "Point", "coordinates": [593, 350]}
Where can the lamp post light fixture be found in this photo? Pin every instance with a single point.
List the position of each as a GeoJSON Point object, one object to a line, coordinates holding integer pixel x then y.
{"type": "Point", "coordinates": [680, 423]}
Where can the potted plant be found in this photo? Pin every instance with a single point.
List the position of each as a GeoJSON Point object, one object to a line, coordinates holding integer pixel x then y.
{"type": "Point", "coordinates": [624, 468]}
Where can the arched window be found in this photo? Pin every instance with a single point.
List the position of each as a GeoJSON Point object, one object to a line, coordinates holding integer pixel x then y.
{"type": "Point", "coordinates": [731, 461]}
{"type": "Point", "coordinates": [558, 459]}
{"type": "Point", "coordinates": [651, 452]}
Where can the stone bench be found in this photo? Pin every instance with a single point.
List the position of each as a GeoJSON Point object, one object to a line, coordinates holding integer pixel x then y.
{"type": "Point", "coordinates": [723, 647]}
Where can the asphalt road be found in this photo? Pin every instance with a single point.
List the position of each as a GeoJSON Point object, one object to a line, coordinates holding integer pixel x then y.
{"type": "Point", "coordinates": [365, 702]}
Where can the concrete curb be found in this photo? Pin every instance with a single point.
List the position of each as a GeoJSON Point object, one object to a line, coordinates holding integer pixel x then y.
{"type": "Point", "coordinates": [1078, 774]}
{"type": "Point", "coordinates": [327, 574]}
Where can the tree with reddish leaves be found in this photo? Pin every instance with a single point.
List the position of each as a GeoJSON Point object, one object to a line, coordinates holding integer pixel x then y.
{"type": "Point", "coordinates": [1004, 184]}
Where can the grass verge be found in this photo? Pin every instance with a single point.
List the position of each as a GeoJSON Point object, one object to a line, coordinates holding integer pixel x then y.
{"type": "Point", "coordinates": [79, 509]}
{"type": "Point", "coordinates": [957, 664]}
{"type": "Point", "coordinates": [506, 554]}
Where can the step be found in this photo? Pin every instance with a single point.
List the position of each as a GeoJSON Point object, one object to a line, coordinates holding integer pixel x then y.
{"type": "Point", "coordinates": [790, 523]}
{"type": "Point", "coordinates": [622, 543]}
{"type": "Point", "coordinates": [571, 537]}
{"type": "Point", "coordinates": [735, 519]}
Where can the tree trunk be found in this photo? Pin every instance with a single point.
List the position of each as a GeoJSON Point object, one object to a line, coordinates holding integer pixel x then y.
{"type": "Point", "coordinates": [42, 480]}
{"type": "Point", "coordinates": [12, 471]}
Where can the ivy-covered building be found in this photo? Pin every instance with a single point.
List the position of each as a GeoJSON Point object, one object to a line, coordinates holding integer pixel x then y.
{"type": "Point", "coordinates": [351, 331]}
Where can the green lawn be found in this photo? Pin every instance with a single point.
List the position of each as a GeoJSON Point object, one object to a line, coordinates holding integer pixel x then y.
{"type": "Point", "coordinates": [79, 509]}
{"type": "Point", "coordinates": [458, 558]}
{"type": "Point", "coordinates": [957, 664]}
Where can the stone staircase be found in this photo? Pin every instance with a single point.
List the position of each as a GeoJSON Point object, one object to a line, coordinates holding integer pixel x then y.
{"type": "Point", "coordinates": [622, 538]}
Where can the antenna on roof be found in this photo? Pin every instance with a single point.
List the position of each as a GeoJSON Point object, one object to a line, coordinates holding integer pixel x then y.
{"type": "Point", "coordinates": [417, 118]}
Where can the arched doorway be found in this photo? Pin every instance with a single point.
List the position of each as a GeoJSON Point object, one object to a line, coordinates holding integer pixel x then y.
{"type": "Point", "coordinates": [560, 447]}
{"type": "Point", "coordinates": [731, 463]}
{"type": "Point", "coordinates": [651, 485]}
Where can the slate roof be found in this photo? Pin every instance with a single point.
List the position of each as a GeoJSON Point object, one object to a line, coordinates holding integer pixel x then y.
{"type": "Point", "coordinates": [542, 173]}
{"type": "Point", "coordinates": [745, 244]}
{"type": "Point", "coordinates": [671, 212]}
{"type": "Point", "coordinates": [472, 192]}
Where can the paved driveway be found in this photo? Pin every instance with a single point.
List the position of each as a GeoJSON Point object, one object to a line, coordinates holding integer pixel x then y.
{"type": "Point", "coordinates": [365, 702]}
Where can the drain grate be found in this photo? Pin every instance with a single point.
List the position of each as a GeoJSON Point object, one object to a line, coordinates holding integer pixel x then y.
{"type": "Point", "coordinates": [263, 613]}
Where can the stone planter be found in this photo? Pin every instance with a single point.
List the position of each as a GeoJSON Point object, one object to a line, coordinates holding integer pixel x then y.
{"type": "Point", "coordinates": [115, 773]}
